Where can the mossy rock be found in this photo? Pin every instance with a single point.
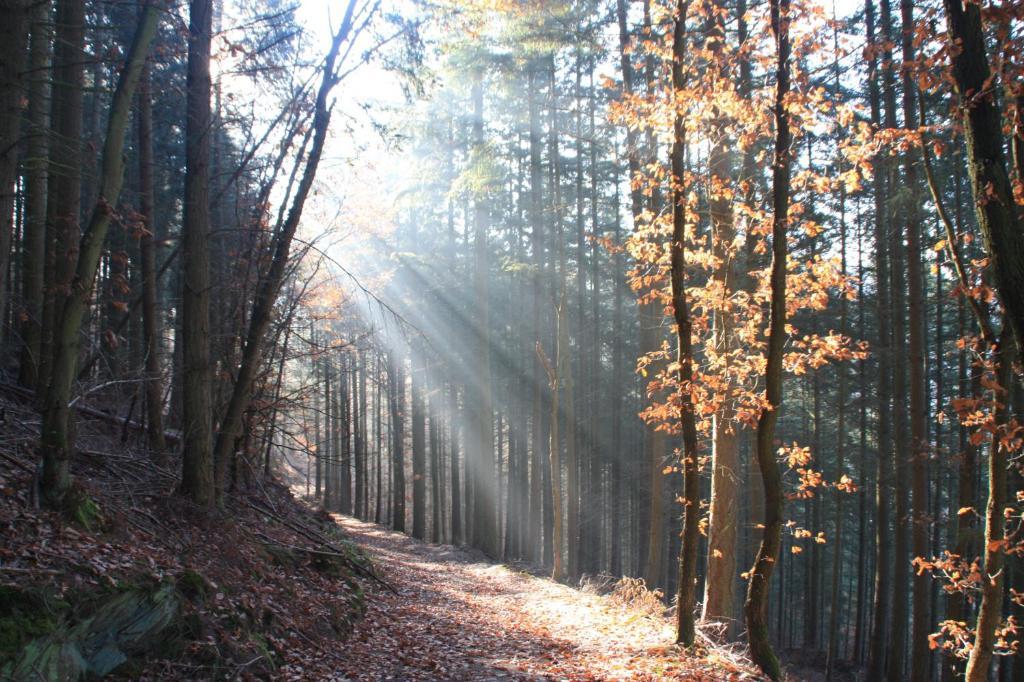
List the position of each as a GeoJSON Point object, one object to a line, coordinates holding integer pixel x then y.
{"type": "Point", "coordinates": [129, 625]}
{"type": "Point", "coordinates": [26, 615]}
{"type": "Point", "coordinates": [193, 585]}
{"type": "Point", "coordinates": [82, 510]}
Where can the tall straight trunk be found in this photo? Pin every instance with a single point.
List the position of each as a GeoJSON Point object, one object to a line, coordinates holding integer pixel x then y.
{"type": "Point", "coordinates": [396, 402]}
{"type": "Point", "coordinates": [456, 483]}
{"type": "Point", "coordinates": [537, 415]}
{"type": "Point", "coordinates": [837, 540]}
{"type": "Point", "coordinates": [883, 587]}
{"type": "Point", "coordinates": [571, 466]}
{"type": "Point", "coordinates": [419, 455]}
{"type": "Point", "coordinates": [755, 608]}
{"type": "Point", "coordinates": [654, 461]}
{"type": "Point", "coordinates": [919, 448]}
{"type": "Point", "coordinates": [361, 509]}
{"type": "Point", "coordinates": [55, 434]}
{"type": "Point", "coordinates": [862, 591]}
{"type": "Point", "coordinates": [636, 209]}
{"type": "Point", "coordinates": [723, 515]}
{"type": "Point", "coordinates": [346, 428]}
{"type": "Point", "coordinates": [270, 282]}
{"type": "Point", "coordinates": [15, 15]}
{"type": "Point", "coordinates": [651, 318]}
{"type": "Point", "coordinates": [436, 502]}
{"type": "Point", "coordinates": [197, 481]}
{"type": "Point", "coordinates": [485, 529]}
{"type": "Point", "coordinates": [151, 331]}
{"type": "Point", "coordinates": [597, 502]}
{"type": "Point", "coordinates": [554, 449]}
{"type": "Point", "coordinates": [317, 434]}
{"type": "Point", "coordinates": [617, 509]}
{"type": "Point", "coordinates": [355, 416]}
{"type": "Point", "coordinates": [330, 452]}
{"type": "Point", "coordinates": [902, 446]}
{"type": "Point", "coordinates": [64, 189]}
{"type": "Point", "coordinates": [36, 153]}
{"type": "Point", "coordinates": [378, 437]}
{"type": "Point", "coordinates": [686, 594]}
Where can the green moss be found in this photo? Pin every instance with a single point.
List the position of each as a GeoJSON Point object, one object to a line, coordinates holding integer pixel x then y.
{"type": "Point", "coordinates": [192, 585]}
{"type": "Point", "coordinates": [23, 617]}
{"type": "Point", "coordinates": [82, 509]}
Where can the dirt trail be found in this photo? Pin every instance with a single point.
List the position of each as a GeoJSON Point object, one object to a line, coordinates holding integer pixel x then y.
{"type": "Point", "coordinates": [458, 618]}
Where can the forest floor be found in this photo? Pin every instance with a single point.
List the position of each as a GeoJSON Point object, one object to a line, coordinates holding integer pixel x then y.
{"type": "Point", "coordinates": [271, 589]}
{"type": "Point", "coordinates": [457, 616]}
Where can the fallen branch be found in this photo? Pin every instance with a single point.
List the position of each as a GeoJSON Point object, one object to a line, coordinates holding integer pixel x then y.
{"type": "Point", "coordinates": [319, 539]}
{"type": "Point", "coordinates": [26, 394]}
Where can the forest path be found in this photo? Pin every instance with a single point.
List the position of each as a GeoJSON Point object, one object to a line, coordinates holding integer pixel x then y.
{"type": "Point", "coordinates": [457, 617]}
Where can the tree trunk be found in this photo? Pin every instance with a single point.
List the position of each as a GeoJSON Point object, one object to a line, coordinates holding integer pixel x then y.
{"type": "Point", "coordinates": [919, 447]}
{"type": "Point", "coordinates": [64, 188]}
{"type": "Point", "coordinates": [419, 455]}
{"type": "Point", "coordinates": [197, 480]}
{"type": "Point", "coordinates": [484, 528]}
{"type": "Point", "coordinates": [151, 331]}
{"type": "Point", "coordinates": [34, 239]}
{"type": "Point", "coordinates": [990, 611]}
{"type": "Point", "coordinates": [997, 213]}
{"type": "Point", "coordinates": [686, 594]}
{"type": "Point", "coordinates": [15, 15]}
{"type": "Point", "coordinates": [756, 606]}
{"type": "Point", "coordinates": [396, 402]}
{"type": "Point", "coordinates": [55, 434]}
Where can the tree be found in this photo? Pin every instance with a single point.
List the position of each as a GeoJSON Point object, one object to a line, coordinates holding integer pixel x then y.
{"type": "Point", "coordinates": [147, 249]}
{"type": "Point", "coordinates": [756, 606]}
{"type": "Point", "coordinates": [197, 480]}
{"type": "Point", "coordinates": [56, 441]}
{"type": "Point", "coordinates": [270, 282]}
{"type": "Point", "coordinates": [685, 628]}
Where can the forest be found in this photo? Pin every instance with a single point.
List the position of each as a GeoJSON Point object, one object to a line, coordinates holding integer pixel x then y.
{"type": "Point", "coordinates": [512, 339]}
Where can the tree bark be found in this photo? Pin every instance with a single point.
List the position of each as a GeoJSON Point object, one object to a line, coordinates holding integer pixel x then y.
{"type": "Point", "coordinates": [756, 606]}
{"type": "Point", "coordinates": [686, 594]}
{"type": "Point", "coordinates": [55, 434]}
{"type": "Point", "coordinates": [999, 216]}
{"type": "Point", "coordinates": [147, 250]}
{"type": "Point", "coordinates": [197, 480]}
{"type": "Point", "coordinates": [35, 163]}
{"type": "Point", "coordinates": [15, 15]}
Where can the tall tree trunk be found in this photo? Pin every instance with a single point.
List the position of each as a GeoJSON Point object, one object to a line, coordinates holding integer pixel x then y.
{"type": "Point", "coordinates": [537, 416]}
{"type": "Point", "coordinates": [419, 455]}
{"type": "Point", "coordinates": [15, 15]}
{"type": "Point", "coordinates": [55, 434]}
{"type": "Point", "coordinates": [456, 482]}
{"type": "Point", "coordinates": [485, 529]}
{"type": "Point", "coordinates": [36, 151]}
{"type": "Point", "coordinates": [197, 480]}
{"type": "Point", "coordinates": [756, 606]}
{"type": "Point", "coordinates": [686, 594]}
{"type": "Point", "coordinates": [882, 599]}
{"type": "Point", "coordinates": [919, 448]}
{"type": "Point", "coordinates": [151, 331]}
{"type": "Point", "coordinates": [396, 402]}
{"type": "Point", "coordinates": [64, 188]}
{"type": "Point", "coordinates": [723, 515]}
